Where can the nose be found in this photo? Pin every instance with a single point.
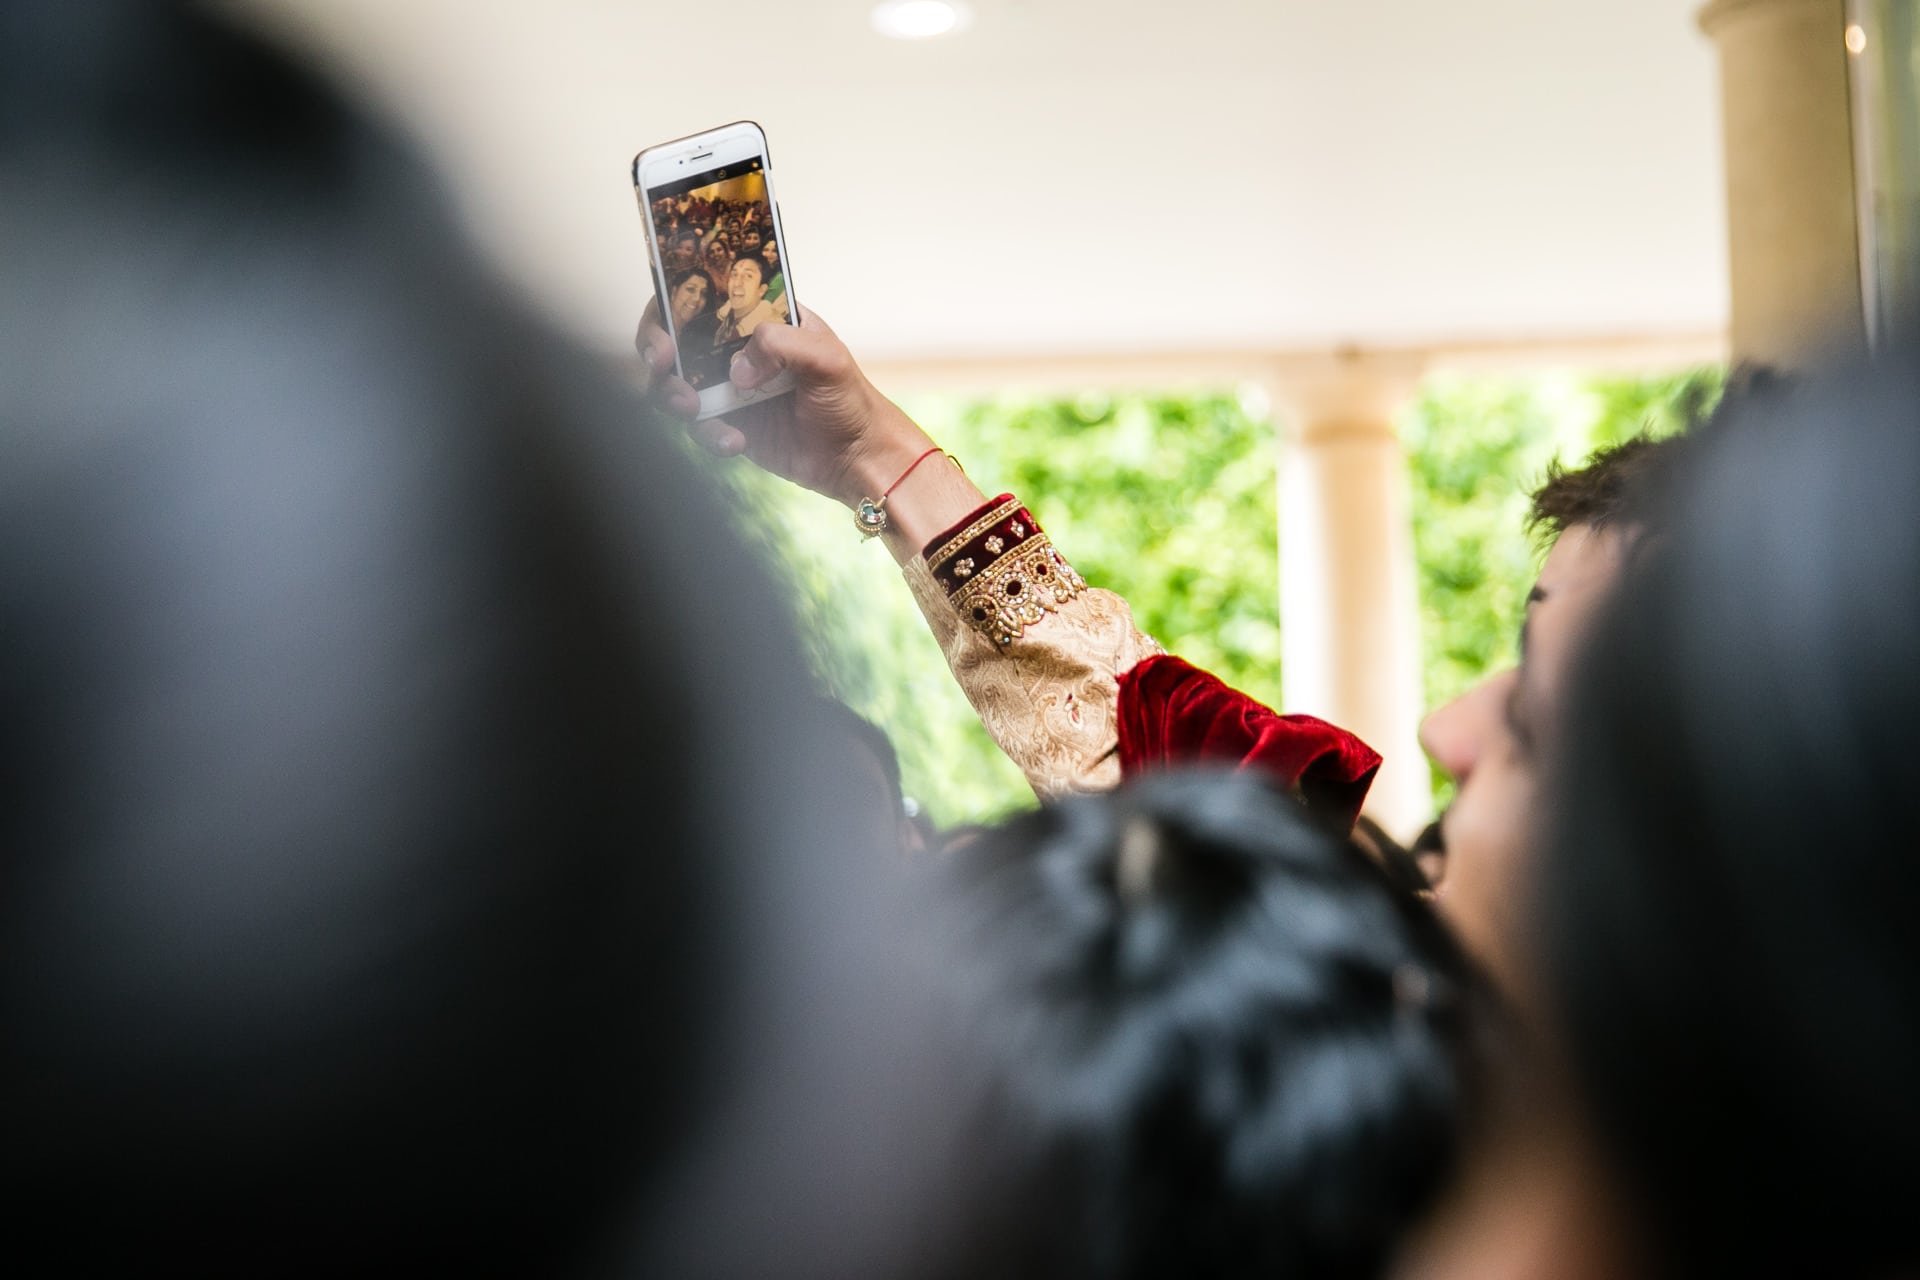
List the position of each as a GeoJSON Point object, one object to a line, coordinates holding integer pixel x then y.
{"type": "Point", "coordinates": [1456, 734]}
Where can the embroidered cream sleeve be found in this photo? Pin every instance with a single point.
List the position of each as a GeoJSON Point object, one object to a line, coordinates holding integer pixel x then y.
{"type": "Point", "coordinates": [1036, 651]}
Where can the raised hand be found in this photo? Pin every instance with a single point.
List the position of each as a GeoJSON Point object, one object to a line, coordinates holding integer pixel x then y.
{"type": "Point", "coordinates": [834, 433]}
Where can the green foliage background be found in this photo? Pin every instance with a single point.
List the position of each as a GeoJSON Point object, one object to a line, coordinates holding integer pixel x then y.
{"type": "Point", "coordinates": [1171, 502]}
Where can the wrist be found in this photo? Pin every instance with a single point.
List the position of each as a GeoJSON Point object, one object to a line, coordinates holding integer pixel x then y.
{"type": "Point", "coordinates": [891, 446]}
{"type": "Point", "coordinates": [932, 499]}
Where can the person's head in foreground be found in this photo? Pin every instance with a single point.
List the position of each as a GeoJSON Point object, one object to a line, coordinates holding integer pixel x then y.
{"type": "Point", "coordinates": [1728, 881]}
{"type": "Point", "coordinates": [1219, 1042]}
{"type": "Point", "coordinates": [879, 814]}
{"type": "Point", "coordinates": [1488, 739]}
{"type": "Point", "coordinates": [365, 833]}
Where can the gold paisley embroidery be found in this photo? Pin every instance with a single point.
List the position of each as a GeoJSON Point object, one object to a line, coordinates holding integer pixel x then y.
{"type": "Point", "coordinates": [1048, 697]}
{"type": "Point", "coordinates": [1016, 591]}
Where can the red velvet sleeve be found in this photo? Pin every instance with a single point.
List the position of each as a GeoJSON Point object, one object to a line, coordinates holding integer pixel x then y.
{"type": "Point", "coordinates": [1172, 713]}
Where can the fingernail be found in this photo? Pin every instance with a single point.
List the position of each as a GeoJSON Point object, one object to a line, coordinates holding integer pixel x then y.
{"type": "Point", "coordinates": [744, 372]}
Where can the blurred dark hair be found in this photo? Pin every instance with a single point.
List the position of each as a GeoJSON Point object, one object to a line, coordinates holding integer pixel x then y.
{"type": "Point", "coordinates": [1728, 890]}
{"type": "Point", "coordinates": [1624, 484]}
{"type": "Point", "coordinates": [1220, 1042]}
{"type": "Point", "coordinates": [363, 784]}
{"type": "Point", "coordinates": [1599, 494]}
{"type": "Point", "coordinates": [1393, 857]}
{"type": "Point", "coordinates": [856, 728]}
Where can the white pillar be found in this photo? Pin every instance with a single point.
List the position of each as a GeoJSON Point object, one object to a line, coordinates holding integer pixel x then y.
{"type": "Point", "coordinates": [1792, 228]}
{"type": "Point", "coordinates": [1349, 612]}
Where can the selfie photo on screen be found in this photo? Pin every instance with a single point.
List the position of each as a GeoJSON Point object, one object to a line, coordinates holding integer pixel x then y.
{"type": "Point", "coordinates": [722, 263]}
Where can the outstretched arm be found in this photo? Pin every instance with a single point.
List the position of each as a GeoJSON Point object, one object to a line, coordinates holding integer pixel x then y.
{"type": "Point", "coordinates": [1037, 653]}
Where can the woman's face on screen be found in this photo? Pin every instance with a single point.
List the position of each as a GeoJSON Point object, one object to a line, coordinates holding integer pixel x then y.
{"type": "Point", "coordinates": [689, 300]}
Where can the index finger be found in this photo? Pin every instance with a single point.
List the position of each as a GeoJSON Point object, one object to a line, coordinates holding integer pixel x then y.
{"type": "Point", "coordinates": [652, 342]}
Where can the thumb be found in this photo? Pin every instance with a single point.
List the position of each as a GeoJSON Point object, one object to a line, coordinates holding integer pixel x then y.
{"type": "Point", "coordinates": [811, 354]}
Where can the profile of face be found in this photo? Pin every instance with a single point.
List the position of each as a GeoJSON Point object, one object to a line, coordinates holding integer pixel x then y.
{"type": "Point", "coordinates": [746, 285]}
{"type": "Point", "coordinates": [690, 300]}
{"type": "Point", "coordinates": [1489, 740]}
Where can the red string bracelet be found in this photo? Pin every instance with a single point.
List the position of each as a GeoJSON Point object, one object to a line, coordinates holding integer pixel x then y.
{"type": "Point", "coordinates": [870, 516]}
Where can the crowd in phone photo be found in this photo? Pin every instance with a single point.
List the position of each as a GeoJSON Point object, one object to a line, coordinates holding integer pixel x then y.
{"type": "Point", "coordinates": [724, 277]}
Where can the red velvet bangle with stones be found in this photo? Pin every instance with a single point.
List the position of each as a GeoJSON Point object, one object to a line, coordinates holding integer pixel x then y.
{"type": "Point", "coordinates": [1000, 570]}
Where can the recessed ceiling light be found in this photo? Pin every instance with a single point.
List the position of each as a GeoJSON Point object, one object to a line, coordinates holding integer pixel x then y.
{"type": "Point", "coordinates": [1856, 38]}
{"type": "Point", "coordinates": [920, 19]}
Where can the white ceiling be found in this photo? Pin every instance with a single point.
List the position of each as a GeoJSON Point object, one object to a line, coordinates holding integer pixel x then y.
{"type": "Point", "coordinates": [1098, 175]}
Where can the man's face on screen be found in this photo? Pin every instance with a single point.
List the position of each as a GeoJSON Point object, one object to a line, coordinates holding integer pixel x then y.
{"type": "Point", "coordinates": [746, 285]}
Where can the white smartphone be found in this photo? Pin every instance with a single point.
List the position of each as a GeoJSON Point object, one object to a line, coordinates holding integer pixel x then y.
{"type": "Point", "coordinates": [720, 266]}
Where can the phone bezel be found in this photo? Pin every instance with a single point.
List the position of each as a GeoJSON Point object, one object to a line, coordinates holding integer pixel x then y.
{"type": "Point", "coordinates": [670, 161]}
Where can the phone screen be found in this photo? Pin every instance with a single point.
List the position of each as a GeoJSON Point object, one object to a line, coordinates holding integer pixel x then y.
{"type": "Point", "coordinates": [723, 262]}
